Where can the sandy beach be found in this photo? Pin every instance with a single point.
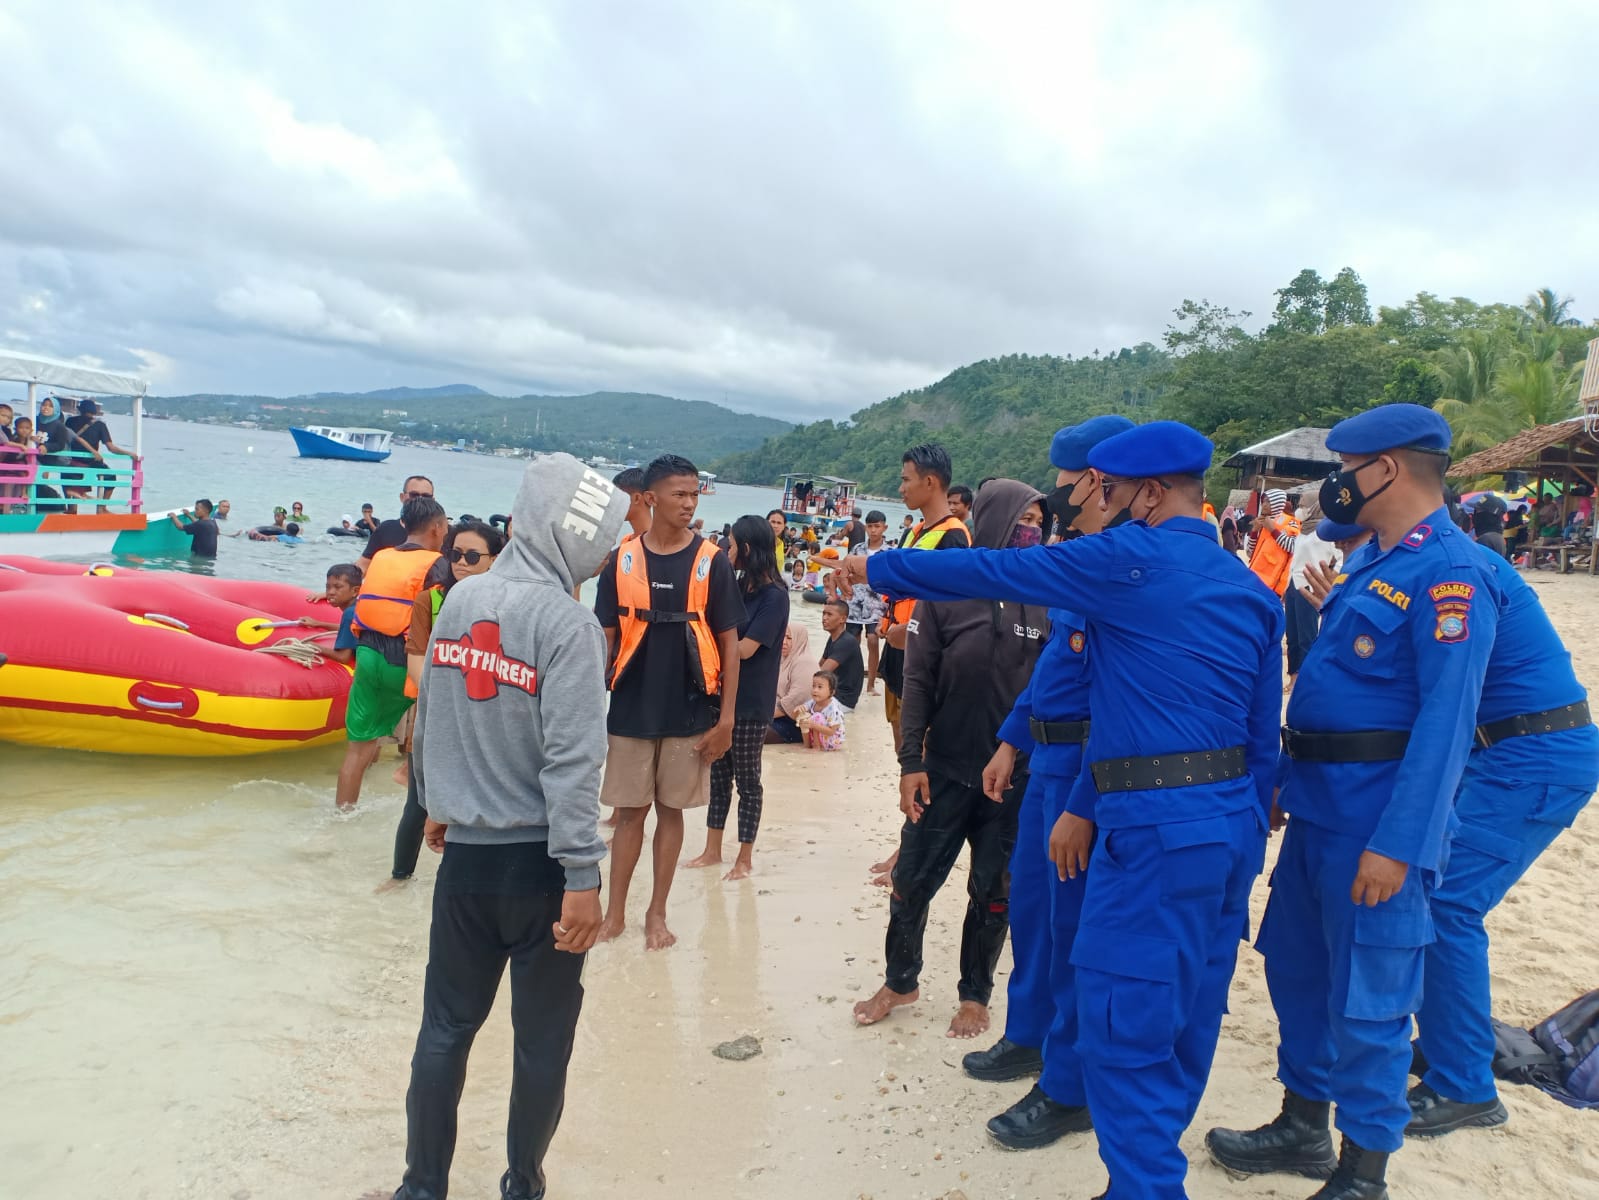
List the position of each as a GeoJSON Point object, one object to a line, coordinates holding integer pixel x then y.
{"type": "Point", "coordinates": [255, 1044]}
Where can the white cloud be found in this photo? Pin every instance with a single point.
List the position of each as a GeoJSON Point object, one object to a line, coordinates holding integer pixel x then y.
{"type": "Point", "coordinates": [800, 207]}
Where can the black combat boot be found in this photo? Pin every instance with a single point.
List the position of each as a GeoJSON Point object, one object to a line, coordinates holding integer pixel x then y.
{"type": "Point", "coordinates": [1298, 1142]}
{"type": "Point", "coordinates": [1035, 1120]}
{"type": "Point", "coordinates": [1432, 1115]}
{"type": "Point", "coordinates": [1360, 1175]}
{"type": "Point", "coordinates": [1003, 1061]}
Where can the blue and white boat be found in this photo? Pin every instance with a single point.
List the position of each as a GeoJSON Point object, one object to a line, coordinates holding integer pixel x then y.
{"type": "Point", "coordinates": [354, 445]}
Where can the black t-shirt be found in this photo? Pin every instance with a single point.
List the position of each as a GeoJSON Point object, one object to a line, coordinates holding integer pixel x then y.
{"type": "Point", "coordinates": [386, 536]}
{"type": "Point", "coordinates": [204, 535]}
{"type": "Point", "coordinates": [91, 429]}
{"type": "Point", "coordinates": [845, 650]}
{"type": "Point", "coordinates": [891, 662]}
{"type": "Point", "coordinates": [656, 696]}
{"type": "Point", "coordinates": [766, 613]}
{"type": "Point", "coordinates": [854, 534]}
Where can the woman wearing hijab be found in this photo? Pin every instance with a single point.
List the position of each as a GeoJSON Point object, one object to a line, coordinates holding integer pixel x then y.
{"type": "Point", "coordinates": [794, 673]}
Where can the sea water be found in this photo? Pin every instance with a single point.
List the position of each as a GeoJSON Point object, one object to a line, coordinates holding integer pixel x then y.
{"type": "Point", "coordinates": [178, 935]}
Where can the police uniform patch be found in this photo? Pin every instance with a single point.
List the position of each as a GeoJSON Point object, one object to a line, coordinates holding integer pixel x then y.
{"type": "Point", "coordinates": [1418, 535]}
{"type": "Point", "coordinates": [1364, 646]}
{"type": "Point", "coordinates": [1452, 602]}
{"type": "Point", "coordinates": [1076, 641]}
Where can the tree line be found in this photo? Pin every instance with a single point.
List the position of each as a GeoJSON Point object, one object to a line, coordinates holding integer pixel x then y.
{"type": "Point", "coordinates": [1490, 369]}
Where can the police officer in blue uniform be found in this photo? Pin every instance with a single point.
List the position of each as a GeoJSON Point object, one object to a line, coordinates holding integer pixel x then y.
{"type": "Point", "coordinates": [1535, 763]}
{"type": "Point", "coordinates": [1049, 724]}
{"type": "Point", "coordinates": [1185, 691]}
{"type": "Point", "coordinates": [1379, 727]}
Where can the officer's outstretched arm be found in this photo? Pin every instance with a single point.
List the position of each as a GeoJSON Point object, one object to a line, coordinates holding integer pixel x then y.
{"type": "Point", "coordinates": [1069, 575]}
{"type": "Point", "coordinates": [1452, 629]}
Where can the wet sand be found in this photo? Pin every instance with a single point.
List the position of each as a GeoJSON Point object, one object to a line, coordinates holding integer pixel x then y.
{"type": "Point", "coordinates": [204, 997]}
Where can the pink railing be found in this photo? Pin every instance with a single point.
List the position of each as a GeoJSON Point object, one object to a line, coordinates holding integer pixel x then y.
{"type": "Point", "coordinates": [22, 474]}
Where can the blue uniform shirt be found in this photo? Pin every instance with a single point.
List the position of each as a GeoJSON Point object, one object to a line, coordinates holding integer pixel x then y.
{"type": "Point", "coordinates": [1057, 690]}
{"type": "Point", "coordinates": [1405, 639]}
{"type": "Point", "coordinates": [1530, 671]}
{"type": "Point", "coordinates": [1186, 647]}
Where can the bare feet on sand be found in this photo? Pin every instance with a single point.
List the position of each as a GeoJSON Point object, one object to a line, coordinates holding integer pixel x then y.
{"type": "Point", "coordinates": [883, 872]}
{"type": "Point", "coordinates": [656, 935]}
{"type": "Point", "coordinates": [741, 869]}
{"type": "Point", "coordinates": [610, 930]}
{"type": "Point", "coordinates": [970, 1020]}
{"type": "Point", "coordinates": [704, 860]}
{"type": "Point", "coordinates": [389, 884]}
{"type": "Point", "coordinates": [402, 773]}
{"type": "Point", "coordinates": [873, 1010]}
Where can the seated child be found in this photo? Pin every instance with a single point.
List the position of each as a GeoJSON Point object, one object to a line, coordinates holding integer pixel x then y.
{"type": "Point", "coordinates": [821, 718]}
{"type": "Point", "coordinates": [796, 575]}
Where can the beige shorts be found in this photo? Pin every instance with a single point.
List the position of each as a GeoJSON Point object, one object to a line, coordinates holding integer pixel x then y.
{"type": "Point", "coordinates": [643, 771]}
{"type": "Point", "coordinates": [891, 705]}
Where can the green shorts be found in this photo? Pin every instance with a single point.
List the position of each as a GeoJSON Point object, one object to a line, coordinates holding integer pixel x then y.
{"type": "Point", "coordinates": [377, 697]}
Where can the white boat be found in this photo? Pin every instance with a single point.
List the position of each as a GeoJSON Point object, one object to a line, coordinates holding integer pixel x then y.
{"type": "Point", "coordinates": [352, 445]}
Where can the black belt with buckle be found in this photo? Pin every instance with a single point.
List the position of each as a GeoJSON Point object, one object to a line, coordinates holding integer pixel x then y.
{"type": "Point", "coordinates": [1551, 720]}
{"type": "Point", "coordinates": [1184, 768]}
{"type": "Point", "coordinates": [1058, 733]}
{"type": "Point", "coordinates": [1364, 745]}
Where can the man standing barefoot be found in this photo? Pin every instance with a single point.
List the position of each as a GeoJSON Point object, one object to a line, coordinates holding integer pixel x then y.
{"type": "Point", "coordinates": [507, 764]}
{"type": "Point", "coordinates": [670, 607]}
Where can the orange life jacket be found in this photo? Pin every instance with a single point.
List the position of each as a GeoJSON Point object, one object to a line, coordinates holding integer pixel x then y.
{"type": "Point", "coordinates": [392, 584]}
{"type": "Point", "coordinates": [1269, 560]}
{"type": "Point", "coordinates": [634, 615]}
{"type": "Point", "coordinates": [899, 611]}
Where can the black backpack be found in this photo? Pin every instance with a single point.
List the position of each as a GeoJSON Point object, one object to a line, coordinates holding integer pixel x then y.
{"type": "Point", "coordinates": [1559, 1055]}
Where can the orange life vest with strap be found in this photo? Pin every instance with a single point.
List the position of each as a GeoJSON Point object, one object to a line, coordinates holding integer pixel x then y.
{"type": "Point", "coordinates": [1270, 562]}
{"type": "Point", "coordinates": [899, 611]}
{"type": "Point", "coordinates": [392, 584]}
{"type": "Point", "coordinates": [634, 615]}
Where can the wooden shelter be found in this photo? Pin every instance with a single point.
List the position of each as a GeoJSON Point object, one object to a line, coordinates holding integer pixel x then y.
{"type": "Point", "coordinates": [1565, 454]}
{"type": "Point", "coordinates": [1288, 461]}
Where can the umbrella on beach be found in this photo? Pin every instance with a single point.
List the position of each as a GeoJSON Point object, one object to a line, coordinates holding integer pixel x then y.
{"type": "Point", "coordinates": [1512, 500]}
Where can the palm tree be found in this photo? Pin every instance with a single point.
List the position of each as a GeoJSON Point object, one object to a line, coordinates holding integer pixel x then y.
{"type": "Point", "coordinates": [1537, 392]}
{"type": "Point", "coordinates": [1547, 311]}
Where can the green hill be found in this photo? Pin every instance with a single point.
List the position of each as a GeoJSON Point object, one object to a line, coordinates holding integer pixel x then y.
{"type": "Point", "coordinates": [618, 425]}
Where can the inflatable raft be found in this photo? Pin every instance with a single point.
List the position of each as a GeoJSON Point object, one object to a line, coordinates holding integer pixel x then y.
{"type": "Point", "coordinates": [159, 662]}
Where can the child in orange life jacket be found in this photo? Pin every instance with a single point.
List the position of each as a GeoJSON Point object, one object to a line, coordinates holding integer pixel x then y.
{"type": "Point", "coordinates": [382, 616]}
{"type": "Point", "coordinates": [821, 718]}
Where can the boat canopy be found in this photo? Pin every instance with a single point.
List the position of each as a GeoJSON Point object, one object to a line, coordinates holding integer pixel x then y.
{"type": "Point", "coordinates": [820, 478]}
{"type": "Point", "coordinates": [71, 377]}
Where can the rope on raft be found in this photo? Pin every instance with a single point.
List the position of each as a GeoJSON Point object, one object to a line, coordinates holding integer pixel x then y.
{"type": "Point", "coordinates": [304, 651]}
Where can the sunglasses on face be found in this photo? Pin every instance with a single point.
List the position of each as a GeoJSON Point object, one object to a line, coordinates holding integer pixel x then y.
{"type": "Point", "coordinates": [419, 495]}
{"type": "Point", "coordinates": [471, 557]}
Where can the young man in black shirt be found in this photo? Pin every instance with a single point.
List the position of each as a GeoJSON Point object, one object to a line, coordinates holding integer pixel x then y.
{"type": "Point", "coordinates": [89, 433]}
{"type": "Point", "coordinates": [202, 530]}
{"type": "Point", "coordinates": [842, 654]}
{"type": "Point", "coordinates": [670, 608]}
{"type": "Point", "coordinates": [390, 534]}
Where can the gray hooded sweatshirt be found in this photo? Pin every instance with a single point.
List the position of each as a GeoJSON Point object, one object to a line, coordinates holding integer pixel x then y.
{"type": "Point", "coordinates": [510, 727]}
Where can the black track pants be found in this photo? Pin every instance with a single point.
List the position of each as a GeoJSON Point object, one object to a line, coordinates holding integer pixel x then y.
{"type": "Point", "coordinates": [408, 834]}
{"type": "Point", "coordinates": [957, 816]}
{"type": "Point", "coordinates": [492, 905]}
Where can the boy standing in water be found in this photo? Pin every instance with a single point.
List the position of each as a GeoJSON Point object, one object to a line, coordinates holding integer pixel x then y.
{"type": "Point", "coordinates": [509, 748]}
{"type": "Point", "coordinates": [670, 607]}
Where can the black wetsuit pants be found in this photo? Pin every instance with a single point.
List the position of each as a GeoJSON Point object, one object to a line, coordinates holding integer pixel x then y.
{"type": "Point", "coordinates": [408, 833]}
{"type": "Point", "coordinates": [1303, 625]}
{"type": "Point", "coordinates": [492, 905]}
{"type": "Point", "coordinates": [958, 816]}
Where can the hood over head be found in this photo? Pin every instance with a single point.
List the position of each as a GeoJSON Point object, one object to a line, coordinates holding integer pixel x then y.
{"type": "Point", "coordinates": [1276, 501]}
{"type": "Point", "coordinates": [564, 522]}
{"type": "Point", "coordinates": [997, 507]}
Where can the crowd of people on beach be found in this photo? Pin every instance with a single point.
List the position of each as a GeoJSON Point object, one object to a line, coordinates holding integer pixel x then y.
{"type": "Point", "coordinates": [1084, 688]}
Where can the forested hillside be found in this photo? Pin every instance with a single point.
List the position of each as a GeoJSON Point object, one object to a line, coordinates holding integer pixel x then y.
{"type": "Point", "coordinates": [1492, 369]}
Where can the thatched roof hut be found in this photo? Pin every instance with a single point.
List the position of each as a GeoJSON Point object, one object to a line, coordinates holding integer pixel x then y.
{"type": "Point", "coordinates": [1288, 460]}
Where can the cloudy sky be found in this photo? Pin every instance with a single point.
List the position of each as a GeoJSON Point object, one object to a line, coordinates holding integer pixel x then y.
{"type": "Point", "coordinates": [798, 207]}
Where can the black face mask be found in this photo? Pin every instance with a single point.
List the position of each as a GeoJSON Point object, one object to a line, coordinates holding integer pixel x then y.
{"type": "Point", "coordinates": [1123, 515]}
{"type": "Point", "coordinates": [1341, 497]}
{"type": "Point", "coordinates": [1060, 506]}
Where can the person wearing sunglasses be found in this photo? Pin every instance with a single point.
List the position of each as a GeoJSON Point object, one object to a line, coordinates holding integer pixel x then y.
{"type": "Point", "coordinates": [391, 533]}
{"type": "Point", "coordinates": [470, 548]}
{"type": "Point", "coordinates": [1169, 818]}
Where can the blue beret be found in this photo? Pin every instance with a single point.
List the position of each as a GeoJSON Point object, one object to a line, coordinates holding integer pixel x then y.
{"type": "Point", "coordinates": [1390, 427]}
{"type": "Point", "coordinates": [1069, 450]}
{"type": "Point", "coordinates": [1329, 530]}
{"type": "Point", "coordinates": [1158, 448]}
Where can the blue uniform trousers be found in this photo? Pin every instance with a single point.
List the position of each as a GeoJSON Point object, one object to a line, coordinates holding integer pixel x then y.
{"type": "Point", "coordinates": [1164, 911]}
{"type": "Point", "coordinates": [1504, 826]}
{"type": "Point", "coordinates": [1344, 980]}
{"type": "Point", "coordinates": [1041, 1007]}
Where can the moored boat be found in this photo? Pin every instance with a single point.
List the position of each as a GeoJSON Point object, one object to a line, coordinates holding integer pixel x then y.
{"type": "Point", "coordinates": [821, 500]}
{"type": "Point", "coordinates": [349, 444]}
